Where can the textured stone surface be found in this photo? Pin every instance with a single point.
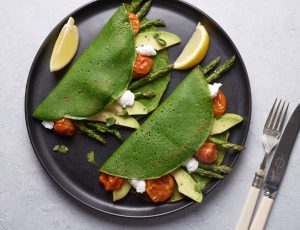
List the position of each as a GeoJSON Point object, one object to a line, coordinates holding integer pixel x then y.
{"type": "Point", "coordinates": [267, 35]}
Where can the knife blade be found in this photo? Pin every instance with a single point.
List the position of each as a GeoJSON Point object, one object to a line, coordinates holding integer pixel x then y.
{"type": "Point", "coordinates": [277, 169]}
{"type": "Point", "coordinates": [282, 154]}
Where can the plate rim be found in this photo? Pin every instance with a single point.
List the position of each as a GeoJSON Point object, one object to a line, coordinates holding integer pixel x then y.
{"type": "Point", "coordinates": [61, 185]}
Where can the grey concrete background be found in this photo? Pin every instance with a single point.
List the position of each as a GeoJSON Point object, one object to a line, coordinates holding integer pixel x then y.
{"type": "Point", "coordinates": [267, 35]}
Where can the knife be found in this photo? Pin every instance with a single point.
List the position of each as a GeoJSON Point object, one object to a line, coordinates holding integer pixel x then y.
{"type": "Point", "coordinates": [277, 169]}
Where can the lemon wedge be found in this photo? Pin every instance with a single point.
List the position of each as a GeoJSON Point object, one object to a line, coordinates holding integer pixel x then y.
{"type": "Point", "coordinates": [65, 46]}
{"type": "Point", "coordinates": [195, 50]}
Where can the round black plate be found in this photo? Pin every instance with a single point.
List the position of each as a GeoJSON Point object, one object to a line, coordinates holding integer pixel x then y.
{"type": "Point", "coordinates": [72, 172]}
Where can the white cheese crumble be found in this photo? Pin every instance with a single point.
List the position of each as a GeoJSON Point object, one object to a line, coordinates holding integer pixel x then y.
{"type": "Point", "coordinates": [191, 165]}
{"type": "Point", "coordinates": [146, 50]}
{"type": "Point", "coordinates": [214, 89]}
{"type": "Point", "coordinates": [138, 185]}
{"type": "Point", "coordinates": [127, 99]}
{"type": "Point", "coordinates": [48, 124]}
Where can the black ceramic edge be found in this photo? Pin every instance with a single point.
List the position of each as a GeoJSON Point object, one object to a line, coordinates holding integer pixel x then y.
{"type": "Point", "coordinates": [69, 192]}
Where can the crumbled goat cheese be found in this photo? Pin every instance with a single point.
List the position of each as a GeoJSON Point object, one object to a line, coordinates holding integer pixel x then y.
{"type": "Point", "coordinates": [127, 99]}
{"type": "Point", "coordinates": [146, 50]}
{"type": "Point", "coordinates": [138, 185]}
{"type": "Point", "coordinates": [191, 165]}
{"type": "Point", "coordinates": [214, 89]}
{"type": "Point", "coordinates": [48, 124]}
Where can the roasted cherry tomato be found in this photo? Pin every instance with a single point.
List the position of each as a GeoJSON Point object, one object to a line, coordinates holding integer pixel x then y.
{"type": "Point", "coordinates": [135, 22]}
{"type": "Point", "coordinates": [142, 66]}
{"type": "Point", "coordinates": [160, 189]}
{"type": "Point", "coordinates": [64, 127]}
{"type": "Point", "coordinates": [111, 183]}
{"type": "Point", "coordinates": [220, 104]}
{"type": "Point", "coordinates": [207, 153]}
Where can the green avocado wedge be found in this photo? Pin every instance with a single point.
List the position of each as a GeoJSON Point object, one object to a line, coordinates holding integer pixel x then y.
{"type": "Point", "coordinates": [99, 76]}
{"type": "Point", "coordinates": [170, 136]}
{"type": "Point", "coordinates": [147, 38]}
{"type": "Point", "coordinates": [225, 122]}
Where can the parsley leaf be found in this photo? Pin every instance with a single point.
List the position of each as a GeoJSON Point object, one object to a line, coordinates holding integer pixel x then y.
{"type": "Point", "coordinates": [91, 157]}
{"type": "Point", "coordinates": [159, 40]}
{"type": "Point", "coordinates": [110, 121]}
{"type": "Point", "coordinates": [199, 186]}
{"type": "Point", "coordinates": [61, 148]}
{"type": "Point", "coordinates": [125, 112]}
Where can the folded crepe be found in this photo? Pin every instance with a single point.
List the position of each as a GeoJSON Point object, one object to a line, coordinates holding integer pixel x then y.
{"type": "Point", "coordinates": [159, 85]}
{"type": "Point", "coordinates": [170, 136]}
{"type": "Point", "coordinates": [99, 76]}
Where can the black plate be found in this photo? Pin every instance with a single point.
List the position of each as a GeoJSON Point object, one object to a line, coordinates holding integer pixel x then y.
{"type": "Point", "coordinates": [72, 172]}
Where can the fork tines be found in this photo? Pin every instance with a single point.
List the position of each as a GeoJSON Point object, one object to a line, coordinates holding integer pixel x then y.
{"type": "Point", "coordinates": [277, 116]}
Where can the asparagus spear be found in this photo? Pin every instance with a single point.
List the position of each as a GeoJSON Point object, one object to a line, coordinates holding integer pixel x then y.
{"type": "Point", "coordinates": [222, 69]}
{"type": "Point", "coordinates": [226, 145]}
{"type": "Point", "coordinates": [155, 22]}
{"type": "Point", "coordinates": [91, 133]}
{"type": "Point", "coordinates": [211, 171]}
{"type": "Point", "coordinates": [127, 6]}
{"type": "Point", "coordinates": [151, 77]}
{"type": "Point", "coordinates": [134, 5]}
{"type": "Point", "coordinates": [144, 95]}
{"type": "Point", "coordinates": [211, 65]}
{"type": "Point", "coordinates": [216, 168]}
{"type": "Point", "coordinates": [210, 174]}
{"type": "Point", "coordinates": [100, 127]}
{"type": "Point", "coordinates": [144, 10]}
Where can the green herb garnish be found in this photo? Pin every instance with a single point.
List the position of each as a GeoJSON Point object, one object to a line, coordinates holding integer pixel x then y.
{"type": "Point", "coordinates": [199, 186]}
{"type": "Point", "coordinates": [91, 157]}
{"type": "Point", "coordinates": [61, 148]}
{"type": "Point", "coordinates": [125, 112]}
{"type": "Point", "coordinates": [160, 41]}
{"type": "Point", "coordinates": [110, 121]}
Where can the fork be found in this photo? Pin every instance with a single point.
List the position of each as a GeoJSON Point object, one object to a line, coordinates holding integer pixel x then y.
{"type": "Point", "coordinates": [271, 133]}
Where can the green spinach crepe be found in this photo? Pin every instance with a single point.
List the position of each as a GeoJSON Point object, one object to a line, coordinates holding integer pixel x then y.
{"type": "Point", "coordinates": [99, 76]}
{"type": "Point", "coordinates": [159, 85]}
{"type": "Point", "coordinates": [170, 136]}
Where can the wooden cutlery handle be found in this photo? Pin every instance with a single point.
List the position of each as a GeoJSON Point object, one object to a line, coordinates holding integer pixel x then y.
{"type": "Point", "coordinates": [248, 208]}
{"type": "Point", "coordinates": [262, 214]}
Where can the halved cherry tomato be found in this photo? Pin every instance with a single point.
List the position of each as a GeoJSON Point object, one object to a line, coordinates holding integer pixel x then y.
{"type": "Point", "coordinates": [160, 189]}
{"type": "Point", "coordinates": [135, 22]}
{"type": "Point", "coordinates": [207, 153]}
{"type": "Point", "coordinates": [220, 104]}
{"type": "Point", "coordinates": [142, 66]}
{"type": "Point", "coordinates": [64, 127]}
{"type": "Point", "coordinates": [110, 183]}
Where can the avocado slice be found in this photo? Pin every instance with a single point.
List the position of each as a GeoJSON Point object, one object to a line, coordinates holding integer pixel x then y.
{"type": "Point", "coordinates": [120, 120]}
{"type": "Point", "coordinates": [147, 38]}
{"type": "Point", "coordinates": [122, 192]}
{"type": "Point", "coordinates": [186, 185]}
{"type": "Point", "coordinates": [225, 122]}
{"type": "Point", "coordinates": [137, 109]}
